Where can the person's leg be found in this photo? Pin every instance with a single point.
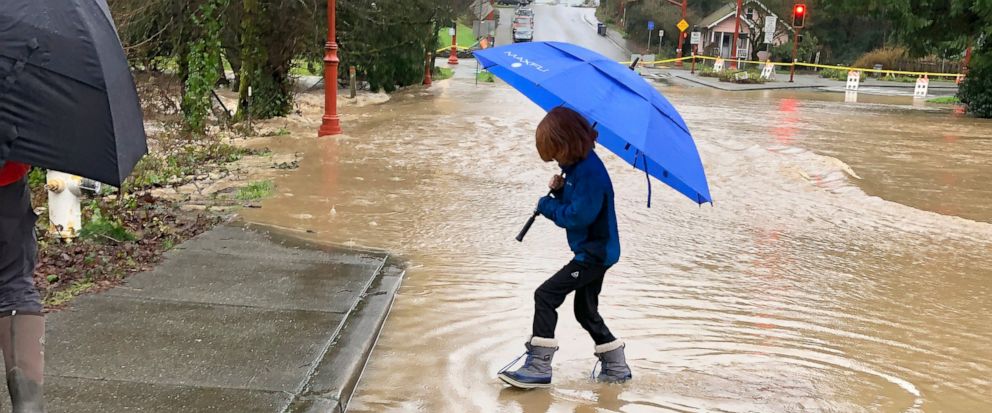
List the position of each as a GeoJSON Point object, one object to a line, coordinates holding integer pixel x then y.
{"type": "Point", "coordinates": [22, 338]}
{"type": "Point", "coordinates": [536, 371]}
{"type": "Point", "coordinates": [587, 309]}
{"type": "Point", "coordinates": [551, 294]}
{"type": "Point", "coordinates": [22, 325]}
{"type": "Point", "coordinates": [608, 349]}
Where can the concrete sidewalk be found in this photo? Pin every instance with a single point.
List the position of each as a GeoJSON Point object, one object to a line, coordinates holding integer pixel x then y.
{"type": "Point", "coordinates": [235, 320]}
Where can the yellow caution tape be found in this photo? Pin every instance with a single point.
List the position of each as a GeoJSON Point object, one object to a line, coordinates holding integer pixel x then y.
{"type": "Point", "coordinates": [884, 71]}
{"type": "Point", "coordinates": [462, 48]}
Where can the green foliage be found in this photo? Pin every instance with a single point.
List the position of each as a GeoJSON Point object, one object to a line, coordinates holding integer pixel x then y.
{"type": "Point", "coordinates": [63, 296]}
{"type": "Point", "coordinates": [173, 166]}
{"type": "Point", "coordinates": [255, 191]}
{"type": "Point", "coordinates": [387, 43]}
{"type": "Point", "coordinates": [734, 76]}
{"type": "Point", "coordinates": [262, 42]}
{"type": "Point", "coordinates": [203, 57]}
{"type": "Point", "coordinates": [976, 90]}
{"type": "Point", "coordinates": [442, 73]}
{"type": "Point", "coordinates": [945, 100]}
{"type": "Point", "coordinates": [835, 74]}
{"type": "Point", "coordinates": [707, 72]}
{"type": "Point", "coordinates": [942, 28]}
{"type": "Point", "coordinates": [100, 228]}
{"type": "Point", "coordinates": [37, 178]}
{"type": "Point", "coordinates": [808, 47]}
{"type": "Point", "coordinates": [486, 77]}
{"type": "Point", "coordinates": [464, 36]}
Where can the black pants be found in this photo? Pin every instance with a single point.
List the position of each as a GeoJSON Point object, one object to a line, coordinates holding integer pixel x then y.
{"type": "Point", "coordinates": [18, 250]}
{"type": "Point", "coordinates": [586, 280]}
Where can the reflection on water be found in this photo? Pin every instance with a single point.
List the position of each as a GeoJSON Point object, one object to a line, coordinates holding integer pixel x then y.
{"type": "Point", "coordinates": [844, 267]}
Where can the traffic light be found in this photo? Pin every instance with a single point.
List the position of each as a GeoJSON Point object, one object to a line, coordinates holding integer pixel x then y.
{"type": "Point", "coordinates": [799, 15]}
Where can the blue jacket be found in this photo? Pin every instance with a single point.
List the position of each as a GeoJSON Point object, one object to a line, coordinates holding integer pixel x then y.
{"type": "Point", "coordinates": [584, 207]}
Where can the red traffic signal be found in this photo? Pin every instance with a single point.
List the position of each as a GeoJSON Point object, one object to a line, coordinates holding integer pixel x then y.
{"type": "Point", "coordinates": [799, 15]}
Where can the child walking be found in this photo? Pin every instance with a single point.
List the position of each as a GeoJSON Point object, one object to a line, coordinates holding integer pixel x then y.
{"type": "Point", "coordinates": [582, 204]}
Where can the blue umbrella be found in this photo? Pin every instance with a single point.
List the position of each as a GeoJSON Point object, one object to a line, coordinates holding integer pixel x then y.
{"type": "Point", "coordinates": [633, 119]}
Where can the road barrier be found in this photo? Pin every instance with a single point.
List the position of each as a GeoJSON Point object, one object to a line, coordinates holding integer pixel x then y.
{"type": "Point", "coordinates": [956, 76]}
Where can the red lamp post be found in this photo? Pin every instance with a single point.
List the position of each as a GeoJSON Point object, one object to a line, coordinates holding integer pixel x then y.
{"type": "Point", "coordinates": [737, 31]}
{"type": "Point", "coordinates": [427, 72]}
{"type": "Point", "coordinates": [682, 34]}
{"type": "Point", "coordinates": [453, 58]}
{"type": "Point", "coordinates": [331, 124]}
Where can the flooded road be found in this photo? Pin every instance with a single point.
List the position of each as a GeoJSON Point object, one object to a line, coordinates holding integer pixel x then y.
{"type": "Point", "coordinates": [804, 289]}
{"type": "Point", "coordinates": [845, 266]}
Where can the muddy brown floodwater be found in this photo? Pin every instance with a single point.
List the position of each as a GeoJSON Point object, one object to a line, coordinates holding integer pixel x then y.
{"type": "Point", "coordinates": [845, 266]}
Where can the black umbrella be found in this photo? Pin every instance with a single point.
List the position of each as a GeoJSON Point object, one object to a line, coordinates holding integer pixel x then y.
{"type": "Point", "coordinates": [67, 98]}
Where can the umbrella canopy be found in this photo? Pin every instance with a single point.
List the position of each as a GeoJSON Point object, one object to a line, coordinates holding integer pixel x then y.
{"type": "Point", "coordinates": [633, 119]}
{"type": "Point", "coordinates": [67, 98]}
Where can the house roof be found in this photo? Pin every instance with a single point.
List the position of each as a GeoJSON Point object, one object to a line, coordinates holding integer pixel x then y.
{"type": "Point", "coordinates": [729, 10]}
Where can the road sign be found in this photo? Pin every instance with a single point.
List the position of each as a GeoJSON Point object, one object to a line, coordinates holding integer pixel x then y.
{"type": "Point", "coordinates": [770, 23]}
{"type": "Point", "coordinates": [682, 25]}
{"type": "Point", "coordinates": [696, 38]}
{"type": "Point", "coordinates": [651, 25]}
{"type": "Point", "coordinates": [661, 33]}
{"type": "Point", "coordinates": [451, 32]}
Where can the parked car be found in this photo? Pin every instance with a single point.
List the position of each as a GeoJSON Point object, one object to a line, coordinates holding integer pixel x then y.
{"type": "Point", "coordinates": [522, 21]}
{"type": "Point", "coordinates": [524, 11]}
{"type": "Point", "coordinates": [523, 34]}
{"type": "Point", "coordinates": [514, 2]}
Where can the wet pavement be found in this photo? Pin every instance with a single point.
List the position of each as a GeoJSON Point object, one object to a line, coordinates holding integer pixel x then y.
{"type": "Point", "coordinates": [843, 268]}
{"type": "Point", "coordinates": [235, 320]}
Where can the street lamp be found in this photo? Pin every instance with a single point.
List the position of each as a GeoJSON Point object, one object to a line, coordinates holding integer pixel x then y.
{"type": "Point", "coordinates": [331, 124]}
{"type": "Point", "coordinates": [682, 35]}
{"type": "Point", "coordinates": [453, 56]}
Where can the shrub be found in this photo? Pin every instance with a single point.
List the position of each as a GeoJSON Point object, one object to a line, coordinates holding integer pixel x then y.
{"type": "Point", "coordinates": [887, 57]}
{"type": "Point", "coordinates": [976, 90]}
{"type": "Point", "coordinates": [835, 74]}
{"type": "Point", "coordinates": [255, 191]}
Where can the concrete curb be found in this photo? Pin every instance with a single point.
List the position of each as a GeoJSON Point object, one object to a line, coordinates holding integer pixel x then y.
{"type": "Point", "coordinates": [730, 89]}
{"type": "Point", "coordinates": [337, 375]}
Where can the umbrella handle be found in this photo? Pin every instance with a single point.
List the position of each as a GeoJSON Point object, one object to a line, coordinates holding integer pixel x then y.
{"type": "Point", "coordinates": [523, 231]}
{"type": "Point", "coordinates": [526, 228]}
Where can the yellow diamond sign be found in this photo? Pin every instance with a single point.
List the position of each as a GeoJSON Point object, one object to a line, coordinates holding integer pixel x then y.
{"type": "Point", "coordinates": [682, 25]}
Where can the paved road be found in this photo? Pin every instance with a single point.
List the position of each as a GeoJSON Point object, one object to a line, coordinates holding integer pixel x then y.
{"type": "Point", "coordinates": [562, 23]}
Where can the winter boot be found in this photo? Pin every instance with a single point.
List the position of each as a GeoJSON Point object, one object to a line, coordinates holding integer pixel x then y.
{"type": "Point", "coordinates": [536, 371]}
{"type": "Point", "coordinates": [615, 368]}
{"type": "Point", "coordinates": [22, 337]}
